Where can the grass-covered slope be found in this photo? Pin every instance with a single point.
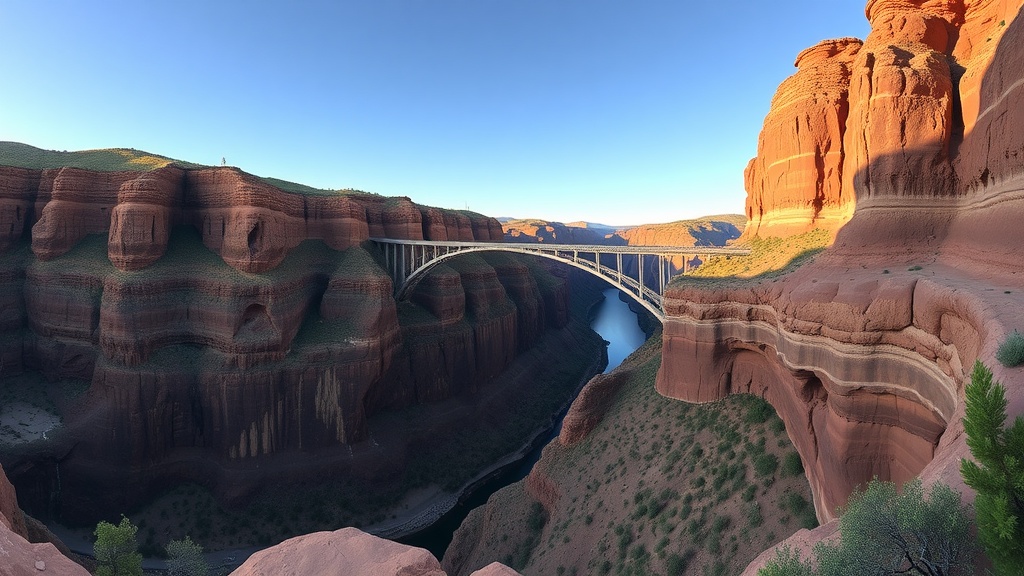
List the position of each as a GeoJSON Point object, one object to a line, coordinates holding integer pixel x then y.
{"type": "Point", "coordinates": [122, 160]}
{"type": "Point", "coordinates": [105, 160]}
{"type": "Point", "coordinates": [659, 487]}
{"type": "Point", "coordinates": [768, 258]}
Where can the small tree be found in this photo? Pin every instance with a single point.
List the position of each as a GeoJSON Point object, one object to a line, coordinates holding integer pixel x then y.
{"type": "Point", "coordinates": [999, 479]}
{"type": "Point", "coordinates": [116, 549]}
{"type": "Point", "coordinates": [185, 558]}
{"type": "Point", "coordinates": [886, 532]}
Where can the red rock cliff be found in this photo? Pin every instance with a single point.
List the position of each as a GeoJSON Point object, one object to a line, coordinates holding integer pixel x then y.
{"type": "Point", "coordinates": [864, 352]}
{"type": "Point", "coordinates": [221, 321]}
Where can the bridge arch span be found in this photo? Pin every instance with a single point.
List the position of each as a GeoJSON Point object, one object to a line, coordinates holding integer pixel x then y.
{"type": "Point", "coordinates": [407, 261]}
{"type": "Point", "coordinates": [410, 283]}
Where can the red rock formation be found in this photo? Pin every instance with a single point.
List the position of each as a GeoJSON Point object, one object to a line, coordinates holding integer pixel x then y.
{"type": "Point", "coordinates": [865, 351]}
{"type": "Point", "coordinates": [901, 96]}
{"type": "Point", "coordinates": [251, 224]}
{"type": "Point", "coordinates": [349, 551]}
{"type": "Point", "coordinates": [222, 321]}
{"type": "Point", "coordinates": [589, 407]}
{"type": "Point", "coordinates": [796, 181]}
{"type": "Point", "coordinates": [19, 557]}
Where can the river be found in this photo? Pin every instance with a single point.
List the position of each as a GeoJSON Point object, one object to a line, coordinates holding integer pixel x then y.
{"type": "Point", "coordinates": [617, 325]}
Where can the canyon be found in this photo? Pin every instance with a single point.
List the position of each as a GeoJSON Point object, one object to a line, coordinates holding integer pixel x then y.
{"type": "Point", "coordinates": [203, 327]}
{"type": "Point", "coordinates": [906, 147]}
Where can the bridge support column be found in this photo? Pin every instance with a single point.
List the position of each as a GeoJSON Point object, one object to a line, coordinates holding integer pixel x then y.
{"type": "Point", "coordinates": [640, 266]}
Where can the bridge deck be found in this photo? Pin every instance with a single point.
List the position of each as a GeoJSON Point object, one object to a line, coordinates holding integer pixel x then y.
{"type": "Point", "coordinates": [408, 260]}
{"type": "Point", "coordinates": [541, 246]}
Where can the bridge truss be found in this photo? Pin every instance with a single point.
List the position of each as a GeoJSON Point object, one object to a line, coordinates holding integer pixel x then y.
{"type": "Point", "coordinates": [407, 261]}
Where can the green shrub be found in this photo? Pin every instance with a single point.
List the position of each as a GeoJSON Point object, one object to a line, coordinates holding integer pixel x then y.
{"type": "Point", "coordinates": [1011, 351]}
{"type": "Point", "coordinates": [786, 563]}
{"type": "Point", "coordinates": [185, 558]}
{"type": "Point", "coordinates": [886, 532]}
{"type": "Point", "coordinates": [765, 464]}
{"type": "Point", "coordinates": [791, 465]}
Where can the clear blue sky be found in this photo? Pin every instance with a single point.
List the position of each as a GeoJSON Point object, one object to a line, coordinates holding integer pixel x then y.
{"type": "Point", "coordinates": [601, 110]}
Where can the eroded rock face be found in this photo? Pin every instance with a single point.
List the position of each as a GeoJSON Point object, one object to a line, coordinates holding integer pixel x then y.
{"type": "Point", "coordinates": [796, 180]}
{"type": "Point", "coordinates": [865, 351]}
{"type": "Point", "coordinates": [221, 322]}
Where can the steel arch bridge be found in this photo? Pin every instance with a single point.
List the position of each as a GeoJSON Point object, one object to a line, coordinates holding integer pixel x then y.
{"type": "Point", "coordinates": [407, 261]}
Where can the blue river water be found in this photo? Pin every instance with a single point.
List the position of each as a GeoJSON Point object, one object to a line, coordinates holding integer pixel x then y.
{"type": "Point", "coordinates": [617, 325]}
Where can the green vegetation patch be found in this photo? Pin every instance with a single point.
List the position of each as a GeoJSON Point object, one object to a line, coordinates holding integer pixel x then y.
{"type": "Point", "coordinates": [1011, 352]}
{"type": "Point", "coordinates": [768, 258]}
{"type": "Point", "coordinates": [104, 160]}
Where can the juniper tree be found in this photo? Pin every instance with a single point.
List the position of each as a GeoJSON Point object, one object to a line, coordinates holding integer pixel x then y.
{"type": "Point", "coordinates": [998, 474]}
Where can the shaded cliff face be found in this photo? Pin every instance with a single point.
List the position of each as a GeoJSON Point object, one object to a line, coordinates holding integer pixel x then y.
{"type": "Point", "coordinates": [221, 321]}
{"type": "Point", "coordinates": [864, 351]}
{"type": "Point", "coordinates": [19, 555]}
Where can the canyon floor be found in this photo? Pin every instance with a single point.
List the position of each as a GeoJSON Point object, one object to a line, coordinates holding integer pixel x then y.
{"type": "Point", "coordinates": [658, 487]}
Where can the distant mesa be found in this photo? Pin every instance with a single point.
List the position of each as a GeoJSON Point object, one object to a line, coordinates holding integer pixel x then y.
{"type": "Point", "coordinates": [707, 231]}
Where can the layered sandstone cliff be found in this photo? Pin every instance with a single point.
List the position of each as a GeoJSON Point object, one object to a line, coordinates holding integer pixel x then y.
{"type": "Point", "coordinates": [221, 322]}
{"type": "Point", "coordinates": [905, 116]}
{"type": "Point", "coordinates": [865, 351]}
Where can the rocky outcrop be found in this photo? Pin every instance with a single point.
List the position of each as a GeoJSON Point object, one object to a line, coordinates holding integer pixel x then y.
{"type": "Point", "coordinates": [589, 407]}
{"type": "Point", "coordinates": [349, 551]}
{"type": "Point", "coordinates": [248, 222]}
{"type": "Point", "coordinates": [21, 558]}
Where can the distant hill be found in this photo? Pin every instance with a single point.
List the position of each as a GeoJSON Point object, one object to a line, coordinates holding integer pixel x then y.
{"type": "Point", "coordinates": [715, 230]}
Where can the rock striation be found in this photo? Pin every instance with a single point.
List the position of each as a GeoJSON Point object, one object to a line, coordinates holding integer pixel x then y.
{"type": "Point", "coordinates": [864, 352]}
{"type": "Point", "coordinates": [222, 322]}
{"type": "Point", "coordinates": [796, 179]}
